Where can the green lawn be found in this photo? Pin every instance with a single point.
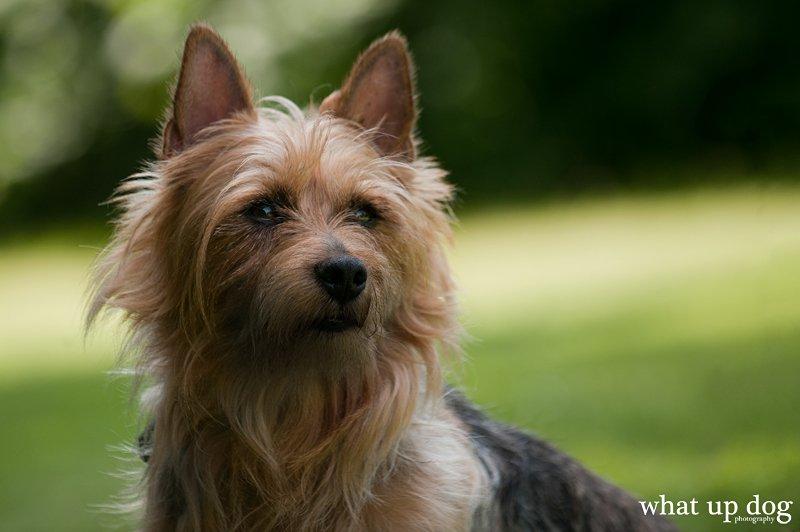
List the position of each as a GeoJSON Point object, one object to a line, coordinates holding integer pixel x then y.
{"type": "Point", "coordinates": [657, 338]}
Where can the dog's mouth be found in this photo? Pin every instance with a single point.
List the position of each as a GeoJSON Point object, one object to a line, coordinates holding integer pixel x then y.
{"type": "Point", "coordinates": [337, 324]}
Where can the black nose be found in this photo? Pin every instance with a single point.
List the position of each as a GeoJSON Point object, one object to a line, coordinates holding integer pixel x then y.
{"type": "Point", "coordinates": [343, 277]}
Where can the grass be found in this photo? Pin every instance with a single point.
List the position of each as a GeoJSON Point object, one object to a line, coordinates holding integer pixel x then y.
{"type": "Point", "coordinates": [657, 338]}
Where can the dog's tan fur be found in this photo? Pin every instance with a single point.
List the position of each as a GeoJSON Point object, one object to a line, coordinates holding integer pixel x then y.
{"type": "Point", "coordinates": [262, 423]}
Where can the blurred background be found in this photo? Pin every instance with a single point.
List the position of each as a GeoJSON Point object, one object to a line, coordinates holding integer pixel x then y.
{"type": "Point", "coordinates": [629, 245]}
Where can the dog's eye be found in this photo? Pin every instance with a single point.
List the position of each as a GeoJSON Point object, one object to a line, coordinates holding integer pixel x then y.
{"type": "Point", "coordinates": [365, 215]}
{"type": "Point", "coordinates": [265, 212]}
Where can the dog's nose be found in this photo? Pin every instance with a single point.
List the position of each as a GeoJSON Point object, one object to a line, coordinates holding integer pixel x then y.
{"type": "Point", "coordinates": [343, 277]}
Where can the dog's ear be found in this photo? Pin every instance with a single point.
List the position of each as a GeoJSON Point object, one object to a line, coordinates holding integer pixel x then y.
{"type": "Point", "coordinates": [211, 86]}
{"type": "Point", "coordinates": [379, 94]}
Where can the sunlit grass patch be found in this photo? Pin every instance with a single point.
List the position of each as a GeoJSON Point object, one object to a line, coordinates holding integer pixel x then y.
{"type": "Point", "coordinates": [43, 285]}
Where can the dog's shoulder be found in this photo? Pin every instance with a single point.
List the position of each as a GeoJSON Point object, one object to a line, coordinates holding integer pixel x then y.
{"type": "Point", "coordinates": [537, 487]}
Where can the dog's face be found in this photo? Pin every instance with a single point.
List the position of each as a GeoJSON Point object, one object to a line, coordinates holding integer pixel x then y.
{"type": "Point", "coordinates": [292, 231]}
{"type": "Point", "coordinates": [311, 241]}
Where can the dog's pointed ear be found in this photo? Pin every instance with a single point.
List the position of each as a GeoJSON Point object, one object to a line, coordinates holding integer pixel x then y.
{"type": "Point", "coordinates": [211, 86]}
{"type": "Point", "coordinates": [379, 94]}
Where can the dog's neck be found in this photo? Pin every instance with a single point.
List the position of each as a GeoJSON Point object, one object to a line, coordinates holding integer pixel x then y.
{"type": "Point", "coordinates": [301, 441]}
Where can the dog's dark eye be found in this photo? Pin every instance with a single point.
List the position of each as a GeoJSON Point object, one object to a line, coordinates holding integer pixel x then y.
{"type": "Point", "coordinates": [365, 215]}
{"type": "Point", "coordinates": [265, 212]}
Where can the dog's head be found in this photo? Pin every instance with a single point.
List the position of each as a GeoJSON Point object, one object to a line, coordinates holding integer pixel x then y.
{"type": "Point", "coordinates": [285, 232]}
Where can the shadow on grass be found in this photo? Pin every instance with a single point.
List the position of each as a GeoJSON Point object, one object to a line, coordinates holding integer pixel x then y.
{"type": "Point", "coordinates": [57, 464]}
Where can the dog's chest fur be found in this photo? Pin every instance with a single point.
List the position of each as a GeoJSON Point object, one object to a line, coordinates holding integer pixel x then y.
{"type": "Point", "coordinates": [431, 480]}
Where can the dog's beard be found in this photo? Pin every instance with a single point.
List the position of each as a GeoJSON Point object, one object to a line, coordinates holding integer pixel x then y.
{"type": "Point", "coordinates": [288, 330]}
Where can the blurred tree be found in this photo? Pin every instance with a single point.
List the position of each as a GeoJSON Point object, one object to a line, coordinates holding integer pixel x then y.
{"type": "Point", "coordinates": [521, 99]}
{"type": "Point", "coordinates": [541, 96]}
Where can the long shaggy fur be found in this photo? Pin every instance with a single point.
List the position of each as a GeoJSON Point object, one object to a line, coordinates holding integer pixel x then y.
{"type": "Point", "coordinates": [258, 426]}
{"type": "Point", "coordinates": [261, 421]}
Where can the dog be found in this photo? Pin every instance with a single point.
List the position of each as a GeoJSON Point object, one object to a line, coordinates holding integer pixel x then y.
{"type": "Point", "coordinates": [284, 277]}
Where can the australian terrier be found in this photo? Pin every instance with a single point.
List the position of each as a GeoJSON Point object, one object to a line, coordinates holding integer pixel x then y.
{"type": "Point", "coordinates": [285, 279]}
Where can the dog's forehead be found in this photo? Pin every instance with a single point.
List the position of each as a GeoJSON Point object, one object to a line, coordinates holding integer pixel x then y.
{"type": "Point", "coordinates": [335, 186]}
{"type": "Point", "coordinates": [323, 158]}
{"type": "Point", "coordinates": [340, 171]}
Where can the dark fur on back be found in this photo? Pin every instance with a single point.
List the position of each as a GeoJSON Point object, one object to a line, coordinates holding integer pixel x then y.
{"type": "Point", "coordinates": [536, 487]}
